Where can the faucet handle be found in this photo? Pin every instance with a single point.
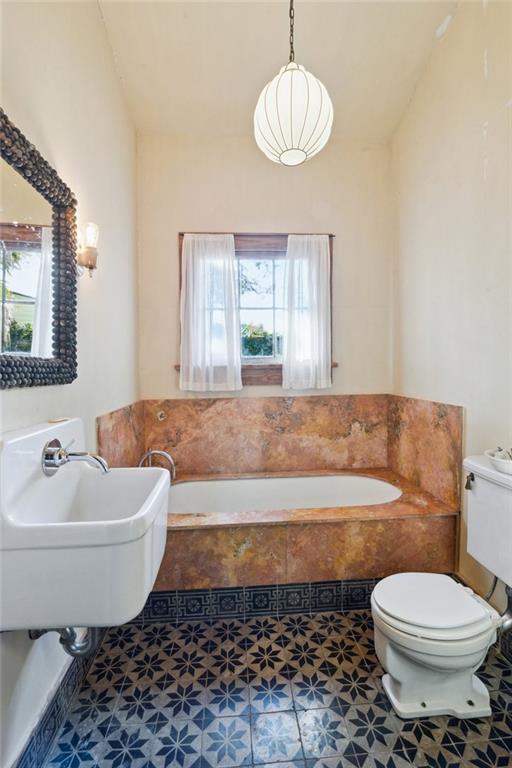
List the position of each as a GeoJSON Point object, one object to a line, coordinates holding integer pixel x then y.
{"type": "Point", "coordinates": [53, 457]}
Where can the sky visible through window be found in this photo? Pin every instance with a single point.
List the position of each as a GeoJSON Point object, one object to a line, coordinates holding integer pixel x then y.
{"type": "Point", "coordinates": [261, 284]}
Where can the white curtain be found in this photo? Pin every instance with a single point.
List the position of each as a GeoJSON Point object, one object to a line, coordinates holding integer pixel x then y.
{"type": "Point", "coordinates": [42, 345]}
{"type": "Point", "coordinates": [307, 337]}
{"type": "Point", "coordinates": [210, 315]}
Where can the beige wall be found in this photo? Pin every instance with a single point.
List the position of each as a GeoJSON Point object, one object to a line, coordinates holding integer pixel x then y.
{"type": "Point", "coordinates": [19, 201]}
{"type": "Point", "coordinates": [187, 184]}
{"type": "Point", "coordinates": [452, 159]}
{"type": "Point", "coordinates": [59, 87]}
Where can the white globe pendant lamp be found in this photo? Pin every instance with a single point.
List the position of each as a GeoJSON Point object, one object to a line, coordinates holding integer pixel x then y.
{"type": "Point", "coordinates": [293, 116]}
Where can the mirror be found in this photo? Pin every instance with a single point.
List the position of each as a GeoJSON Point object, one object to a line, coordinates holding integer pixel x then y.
{"type": "Point", "coordinates": [25, 268]}
{"type": "Point", "coordinates": [37, 267]}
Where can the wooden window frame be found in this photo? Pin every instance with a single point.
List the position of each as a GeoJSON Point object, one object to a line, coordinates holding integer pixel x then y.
{"type": "Point", "coordinates": [261, 374]}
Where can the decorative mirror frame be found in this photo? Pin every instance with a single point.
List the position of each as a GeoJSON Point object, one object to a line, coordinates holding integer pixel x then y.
{"type": "Point", "coordinates": [26, 371]}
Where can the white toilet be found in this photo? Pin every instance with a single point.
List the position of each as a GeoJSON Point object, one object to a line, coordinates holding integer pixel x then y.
{"type": "Point", "coordinates": [432, 633]}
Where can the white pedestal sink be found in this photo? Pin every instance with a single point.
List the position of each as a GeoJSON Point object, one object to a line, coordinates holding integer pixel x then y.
{"type": "Point", "coordinates": [80, 548]}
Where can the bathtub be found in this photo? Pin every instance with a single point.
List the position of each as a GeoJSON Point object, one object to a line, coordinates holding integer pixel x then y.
{"type": "Point", "coordinates": [273, 493]}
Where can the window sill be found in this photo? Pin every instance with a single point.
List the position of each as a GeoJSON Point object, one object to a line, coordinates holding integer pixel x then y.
{"type": "Point", "coordinates": [261, 374]}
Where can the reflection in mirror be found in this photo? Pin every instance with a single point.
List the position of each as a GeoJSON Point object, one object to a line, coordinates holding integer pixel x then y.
{"type": "Point", "coordinates": [25, 268]}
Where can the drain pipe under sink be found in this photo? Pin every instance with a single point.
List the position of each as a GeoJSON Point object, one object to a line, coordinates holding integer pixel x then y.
{"type": "Point", "coordinates": [70, 642]}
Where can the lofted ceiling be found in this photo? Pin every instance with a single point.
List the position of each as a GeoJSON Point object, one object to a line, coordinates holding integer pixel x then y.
{"type": "Point", "coordinates": [197, 68]}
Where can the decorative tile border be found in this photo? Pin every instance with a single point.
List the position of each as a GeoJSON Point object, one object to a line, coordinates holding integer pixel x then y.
{"type": "Point", "coordinates": [246, 602]}
{"type": "Point", "coordinates": [38, 746]}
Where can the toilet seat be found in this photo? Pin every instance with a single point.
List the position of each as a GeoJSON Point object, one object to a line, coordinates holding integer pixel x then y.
{"type": "Point", "coordinates": [432, 606]}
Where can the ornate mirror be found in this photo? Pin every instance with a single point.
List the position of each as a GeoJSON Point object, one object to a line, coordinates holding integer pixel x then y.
{"type": "Point", "coordinates": [37, 267]}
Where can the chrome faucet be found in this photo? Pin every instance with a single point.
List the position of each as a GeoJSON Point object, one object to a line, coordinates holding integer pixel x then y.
{"type": "Point", "coordinates": [148, 456]}
{"type": "Point", "coordinates": [55, 456]}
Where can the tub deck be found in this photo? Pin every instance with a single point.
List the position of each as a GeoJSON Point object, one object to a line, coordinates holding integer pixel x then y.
{"type": "Point", "coordinates": [416, 532]}
{"type": "Point", "coordinates": [413, 502]}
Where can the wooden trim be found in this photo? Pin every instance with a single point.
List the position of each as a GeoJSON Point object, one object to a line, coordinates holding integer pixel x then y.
{"type": "Point", "coordinates": [261, 375]}
{"type": "Point", "coordinates": [20, 233]}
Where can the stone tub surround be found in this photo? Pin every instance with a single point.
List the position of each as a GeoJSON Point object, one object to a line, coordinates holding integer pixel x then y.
{"type": "Point", "coordinates": [267, 434]}
{"type": "Point", "coordinates": [391, 438]}
{"type": "Point", "coordinates": [415, 532]}
{"type": "Point", "coordinates": [121, 435]}
{"type": "Point", "coordinates": [418, 439]}
{"type": "Point", "coordinates": [425, 446]}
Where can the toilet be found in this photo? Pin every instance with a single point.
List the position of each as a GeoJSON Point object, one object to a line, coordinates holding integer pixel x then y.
{"type": "Point", "coordinates": [433, 633]}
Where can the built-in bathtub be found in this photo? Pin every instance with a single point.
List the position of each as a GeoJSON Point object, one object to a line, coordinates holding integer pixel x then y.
{"type": "Point", "coordinates": [288, 528]}
{"type": "Point", "coordinates": [263, 494]}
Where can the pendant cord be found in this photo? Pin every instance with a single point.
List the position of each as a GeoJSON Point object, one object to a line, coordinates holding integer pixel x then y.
{"type": "Point", "coordinates": [292, 22]}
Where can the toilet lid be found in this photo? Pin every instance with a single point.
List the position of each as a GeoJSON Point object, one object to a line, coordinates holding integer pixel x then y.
{"type": "Point", "coordinates": [430, 600]}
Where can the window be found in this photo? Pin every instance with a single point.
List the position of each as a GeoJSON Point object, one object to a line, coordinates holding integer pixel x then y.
{"type": "Point", "coordinates": [261, 291]}
{"type": "Point", "coordinates": [20, 260]}
{"type": "Point", "coordinates": [261, 266]}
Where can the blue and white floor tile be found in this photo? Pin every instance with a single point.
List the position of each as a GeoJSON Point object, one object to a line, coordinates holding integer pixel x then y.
{"type": "Point", "coordinates": [274, 691]}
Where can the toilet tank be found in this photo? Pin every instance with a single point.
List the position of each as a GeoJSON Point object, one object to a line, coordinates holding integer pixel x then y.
{"type": "Point", "coordinates": [489, 517]}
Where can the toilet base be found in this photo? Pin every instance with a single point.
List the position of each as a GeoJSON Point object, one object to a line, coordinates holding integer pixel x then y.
{"type": "Point", "coordinates": [449, 704]}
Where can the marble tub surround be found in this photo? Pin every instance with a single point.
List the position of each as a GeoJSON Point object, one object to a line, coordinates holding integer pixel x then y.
{"type": "Point", "coordinates": [412, 503]}
{"type": "Point", "coordinates": [425, 445]}
{"type": "Point", "coordinates": [414, 532]}
{"type": "Point", "coordinates": [418, 439]}
{"type": "Point", "coordinates": [120, 435]}
{"type": "Point", "coordinates": [391, 438]}
{"type": "Point", "coordinates": [265, 434]}
{"type": "Point", "coordinates": [230, 556]}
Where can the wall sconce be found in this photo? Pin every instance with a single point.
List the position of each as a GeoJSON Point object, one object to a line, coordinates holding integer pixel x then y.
{"type": "Point", "coordinates": [87, 255]}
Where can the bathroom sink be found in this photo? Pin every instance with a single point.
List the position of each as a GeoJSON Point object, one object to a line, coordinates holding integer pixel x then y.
{"type": "Point", "coordinates": [80, 548]}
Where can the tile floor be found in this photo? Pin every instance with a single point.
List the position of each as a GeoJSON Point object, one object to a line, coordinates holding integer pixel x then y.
{"type": "Point", "coordinates": [295, 692]}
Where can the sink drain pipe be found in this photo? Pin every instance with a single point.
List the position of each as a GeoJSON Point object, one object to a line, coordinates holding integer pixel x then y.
{"type": "Point", "coordinates": [69, 640]}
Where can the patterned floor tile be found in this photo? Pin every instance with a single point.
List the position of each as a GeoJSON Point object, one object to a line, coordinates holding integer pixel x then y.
{"type": "Point", "coordinates": [266, 657]}
{"type": "Point", "coordinates": [372, 728]}
{"type": "Point", "coordinates": [226, 659]}
{"type": "Point", "coordinates": [275, 737]}
{"type": "Point", "coordinates": [496, 672]}
{"type": "Point", "coordinates": [227, 742]}
{"type": "Point", "coordinates": [297, 691]}
{"type": "Point", "coordinates": [294, 764]}
{"type": "Point", "coordinates": [228, 696]}
{"type": "Point", "coordinates": [262, 628]}
{"type": "Point", "coordinates": [73, 750]}
{"type": "Point", "coordinates": [296, 626]}
{"type": "Point", "coordinates": [181, 699]}
{"type": "Point", "coordinates": [270, 694]}
{"type": "Point", "coordinates": [355, 758]}
{"type": "Point", "coordinates": [135, 705]}
{"type": "Point", "coordinates": [323, 732]}
{"type": "Point", "coordinates": [179, 746]}
{"type": "Point", "coordinates": [126, 747]}
{"type": "Point", "coordinates": [312, 690]}
{"type": "Point", "coordinates": [92, 707]}
{"type": "Point", "coordinates": [355, 686]}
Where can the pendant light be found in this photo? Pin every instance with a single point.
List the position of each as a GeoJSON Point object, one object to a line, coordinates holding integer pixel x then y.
{"type": "Point", "coordinates": [293, 116]}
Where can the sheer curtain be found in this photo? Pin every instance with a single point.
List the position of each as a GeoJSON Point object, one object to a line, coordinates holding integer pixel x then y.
{"type": "Point", "coordinates": [42, 324]}
{"type": "Point", "coordinates": [307, 337]}
{"type": "Point", "coordinates": [210, 315]}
